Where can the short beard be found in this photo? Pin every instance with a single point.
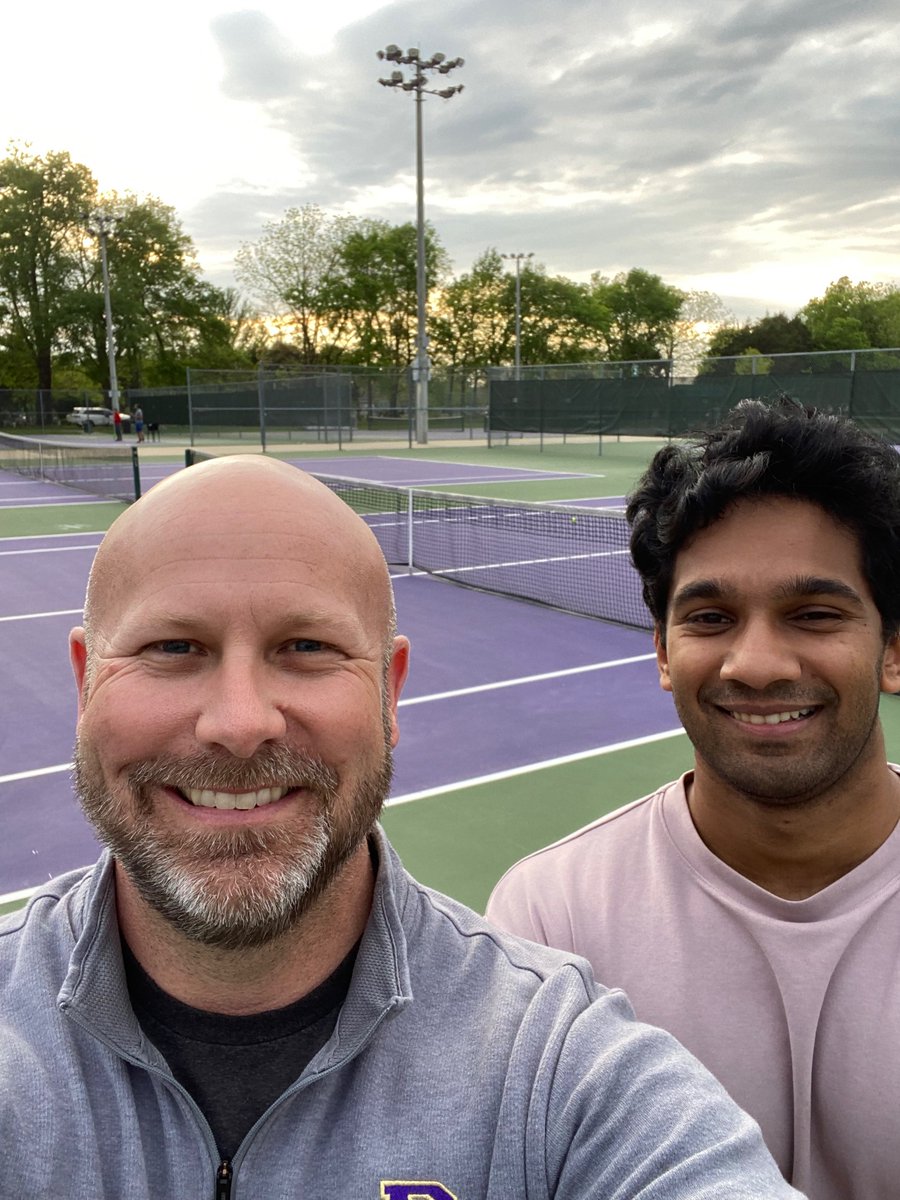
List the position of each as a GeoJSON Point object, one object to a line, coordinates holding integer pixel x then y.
{"type": "Point", "coordinates": [232, 889]}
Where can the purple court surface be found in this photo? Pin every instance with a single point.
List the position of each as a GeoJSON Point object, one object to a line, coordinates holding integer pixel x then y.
{"type": "Point", "coordinates": [495, 684]}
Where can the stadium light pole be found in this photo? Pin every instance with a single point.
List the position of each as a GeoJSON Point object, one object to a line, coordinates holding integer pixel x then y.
{"type": "Point", "coordinates": [416, 82]}
{"type": "Point", "coordinates": [101, 226]}
{"type": "Point", "coordinates": [518, 258]}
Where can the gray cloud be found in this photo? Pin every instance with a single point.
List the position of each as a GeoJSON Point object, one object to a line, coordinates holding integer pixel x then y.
{"type": "Point", "coordinates": [672, 128]}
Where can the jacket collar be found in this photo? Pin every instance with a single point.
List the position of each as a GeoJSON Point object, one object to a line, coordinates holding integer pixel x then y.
{"type": "Point", "coordinates": [95, 995]}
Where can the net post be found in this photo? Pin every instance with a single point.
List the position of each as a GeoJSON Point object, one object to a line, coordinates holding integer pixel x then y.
{"type": "Point", "coordinates": [136, 469]}
{"type": "Point", "coordinates": [409, 530]}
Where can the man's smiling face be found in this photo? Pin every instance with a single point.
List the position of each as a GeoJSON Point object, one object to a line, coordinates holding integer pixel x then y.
{"type": "Point", "coordinates": [774, 652]}
{"type": "Point", "coordinates": [238, 701]}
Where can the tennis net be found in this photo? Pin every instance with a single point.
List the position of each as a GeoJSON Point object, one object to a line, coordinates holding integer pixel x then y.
{"type": "Point", "coordinates": [111, 472]}
{"type": "Point", "coordinates": [573, 559]}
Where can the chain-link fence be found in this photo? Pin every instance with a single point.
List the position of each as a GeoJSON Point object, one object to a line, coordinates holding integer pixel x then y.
{"type": "Point", "coordinates": [334, 405]}
{"type": "Point", "coordinates": [41, 410]}
{"type": "Point", "coordinates": [273, 405]}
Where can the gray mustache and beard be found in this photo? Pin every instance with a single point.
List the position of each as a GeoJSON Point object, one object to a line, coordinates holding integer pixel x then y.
{"type": "Point", "coordinates": [233, 889]}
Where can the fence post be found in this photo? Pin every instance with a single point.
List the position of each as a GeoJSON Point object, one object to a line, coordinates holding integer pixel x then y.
{"type": "Point", "coordinates": [190, 407]}
{"type": "Point", "coordinates": [261, 399]}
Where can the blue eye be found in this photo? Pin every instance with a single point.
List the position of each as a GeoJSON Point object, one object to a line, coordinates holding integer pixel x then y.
{"type": "Point", "coordinates": [306, 646]}
{"type": "Point", "coordinates": [174, 646]}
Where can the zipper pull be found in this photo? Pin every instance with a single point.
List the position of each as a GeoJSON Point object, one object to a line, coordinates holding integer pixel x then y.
{"type": "Point", "coordinates": [223, 1180]}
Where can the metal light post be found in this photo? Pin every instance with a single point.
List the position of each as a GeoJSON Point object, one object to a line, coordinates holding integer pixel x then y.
{"type": "Point", "coordinates": [101, 226]}
{"type": "Point", "coordinates": [518, 258]}
{"type": "Point", "coordinates": [416, 82]}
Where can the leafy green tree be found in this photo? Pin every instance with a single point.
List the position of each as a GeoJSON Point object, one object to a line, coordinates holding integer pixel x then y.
{"type": "Point", "coordinates": [292, 272]}
{"type": "Point", "coordinates": [772, 334]}
{"type": "Point", "coordinates": [854, 316]}
{"type": "Point", "coordinates": [751, 362]}
{"type": "Point", "coordinates": [165, 316]}
{"type": "Point", "coordinates": [375, 289]}
{"type": "Point", "coordinates": [42, 199]}
{"type": "Point", "coordinates": [561, 321]}
{"type": "Point", "coordinates": [643, 314]}
{"type": "Point", "coordinates": [474, 322]}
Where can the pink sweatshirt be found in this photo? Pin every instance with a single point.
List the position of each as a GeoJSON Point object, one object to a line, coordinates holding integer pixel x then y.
{"type": "Point", "coordinates": [793, 1004]}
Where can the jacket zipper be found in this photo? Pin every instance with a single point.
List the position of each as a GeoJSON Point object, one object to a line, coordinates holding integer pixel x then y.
{"type": "Point", "coordinates": [223, 1180]}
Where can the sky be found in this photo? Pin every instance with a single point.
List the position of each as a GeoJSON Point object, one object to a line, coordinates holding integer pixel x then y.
{"type": "Point", "coordinates": [747, 149]}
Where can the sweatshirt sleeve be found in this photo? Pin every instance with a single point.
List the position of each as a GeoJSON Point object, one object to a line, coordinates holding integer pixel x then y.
{"type": "Point", "coordinates": [618, 1110]}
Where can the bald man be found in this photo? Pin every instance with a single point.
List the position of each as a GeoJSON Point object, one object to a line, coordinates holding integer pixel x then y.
{"type": "Point", "coordinates": [247, 995]}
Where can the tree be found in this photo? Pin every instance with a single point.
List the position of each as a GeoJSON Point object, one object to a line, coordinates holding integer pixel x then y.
{"type": "Point", "coordinates": [292, 271]}
{"type": "Point", "coordinates": [643, 312]}
{"type": "Point", "coordinates": [772, 334]}
{"type": "Point", "coordinates": [854, 316]}
{"type": "Point", "coordinates": [375, 289]}
{"type": "Point", "coordinates": [474, 324]}
{"type": "Point", "coordinates": [562, 321]}
{"type": "Point", "coordinates": [165, 316]}
{"type": "Point", "coordinates": [701, 316]}
{"type": "Point", "coordinates": [42, 199]}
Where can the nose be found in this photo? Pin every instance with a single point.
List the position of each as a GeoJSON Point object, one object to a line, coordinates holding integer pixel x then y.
{"type": "Point", "coordinates": [760, 654]}
{"type": "Point", "coordinates": [239, 709]}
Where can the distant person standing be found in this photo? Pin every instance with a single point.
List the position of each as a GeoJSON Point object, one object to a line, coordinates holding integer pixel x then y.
{"type": "Point", "coordinates": [138, 418]}
{"type": "Point", "coordinates": [117, 424]}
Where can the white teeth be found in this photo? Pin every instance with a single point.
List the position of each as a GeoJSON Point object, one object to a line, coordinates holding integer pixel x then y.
{"type": "Point", "coordinates": [772, 718]}
{"type": "Point", "coordinates": [227, 800]}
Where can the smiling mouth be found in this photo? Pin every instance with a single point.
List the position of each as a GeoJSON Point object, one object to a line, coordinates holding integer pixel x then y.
{"type": "Point", "coordinates": [206, 798]}
{"type": "Point", "coordinates": [780, 718]}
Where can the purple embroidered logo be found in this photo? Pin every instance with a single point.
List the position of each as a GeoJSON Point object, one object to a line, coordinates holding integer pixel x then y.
{"type": "Point", "coordinates": [406, 1189]}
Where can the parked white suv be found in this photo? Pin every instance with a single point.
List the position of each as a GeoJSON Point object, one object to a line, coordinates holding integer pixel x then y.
{"type": "Point", "coordinates": [91, 418]}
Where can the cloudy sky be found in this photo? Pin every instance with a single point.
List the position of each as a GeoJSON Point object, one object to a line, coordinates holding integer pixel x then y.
{"type": "Point", "coordinates": [749, 149]}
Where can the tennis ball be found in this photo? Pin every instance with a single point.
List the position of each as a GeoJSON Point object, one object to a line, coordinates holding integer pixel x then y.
{"type": "Point", "coordinates": [574, 519]}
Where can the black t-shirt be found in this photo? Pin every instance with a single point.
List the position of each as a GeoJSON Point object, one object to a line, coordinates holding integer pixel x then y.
{"type": "Point", "coordinates": [236, 1067]}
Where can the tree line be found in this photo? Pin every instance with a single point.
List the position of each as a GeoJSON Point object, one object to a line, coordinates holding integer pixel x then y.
{"type": "Point", "coordinates": [324, 289]}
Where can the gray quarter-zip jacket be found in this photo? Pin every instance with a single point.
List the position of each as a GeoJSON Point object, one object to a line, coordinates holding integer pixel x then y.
{"type": "Point", "coordinates": [465, 1065]}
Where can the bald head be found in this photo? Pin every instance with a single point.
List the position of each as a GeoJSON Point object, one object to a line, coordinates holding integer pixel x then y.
{"type": "Point", "coordinates": [245, 508]}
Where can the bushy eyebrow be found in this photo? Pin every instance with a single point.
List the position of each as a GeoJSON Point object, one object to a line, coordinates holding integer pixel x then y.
{"type": "Point", "coordinates": [795, 588]}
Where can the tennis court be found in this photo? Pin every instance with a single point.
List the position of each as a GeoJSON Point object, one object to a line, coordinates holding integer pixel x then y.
{"type": "Point", "coordinates": [519, 722]}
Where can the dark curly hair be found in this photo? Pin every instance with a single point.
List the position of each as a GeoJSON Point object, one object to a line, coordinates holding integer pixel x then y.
{"type": "Point", "coordinates": [771, 449]}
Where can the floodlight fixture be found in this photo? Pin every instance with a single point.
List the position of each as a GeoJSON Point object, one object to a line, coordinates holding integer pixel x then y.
{"type": "Point", "coordinates": [417, 83]}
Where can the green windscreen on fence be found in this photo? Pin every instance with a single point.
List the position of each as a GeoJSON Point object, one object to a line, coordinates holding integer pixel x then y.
{"type": "Point", "coordinates": [659, 407]}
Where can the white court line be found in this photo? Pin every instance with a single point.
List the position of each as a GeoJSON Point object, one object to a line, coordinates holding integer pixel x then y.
{"type": "Point", "coordinates": [40, 537]}
{"type": "Point", "coordinates": [512, 772]}
{"type": "Point", "coordinates": [60, 612]}
{"type": "Point", "coordinates": [36, 772]}
{"type": "Point", "coordinates": [60, 503]}
{"type": "Point", "coordinates": [448, 462]}
{"type": "Point", "coordinates": [504, 683]}
{"type": "Point", "coordinates": [429, 483]}
{"type": "Point", "coordinates": [45, 550]}
{"type": "Point", "coordinates": [446, 788]}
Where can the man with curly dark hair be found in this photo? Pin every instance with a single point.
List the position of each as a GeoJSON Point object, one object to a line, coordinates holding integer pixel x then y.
{"type": "Point", "coordinates": [753, 906]}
